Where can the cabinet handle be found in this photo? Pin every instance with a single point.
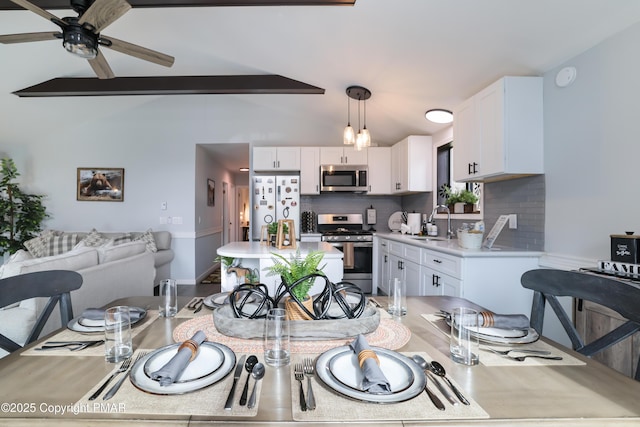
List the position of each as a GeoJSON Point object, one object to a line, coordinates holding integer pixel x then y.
{"type": "Point", "coordinates": [385, 259]}
{"type": "Point", "coordinates": [346, 159]}
{"type": "Point", "coordinates": [435, 281]}
{"type": "Point", "coordinates": [274, 164]}
{"type": "Point", "coordinates": [475, 167]}
{"type": "Point", "coordinates": [278, 164]}
{"type": "Point", "coordinates": [437, 261]}
{"type": "Point", "coordinates": [400, 265]}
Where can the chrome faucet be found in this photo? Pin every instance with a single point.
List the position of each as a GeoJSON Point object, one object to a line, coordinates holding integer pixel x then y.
{"type": "Point", "coordinates": [433, 212]}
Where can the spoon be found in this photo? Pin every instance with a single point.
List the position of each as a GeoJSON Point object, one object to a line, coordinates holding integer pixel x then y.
{"type": "Point", "coordinates": [434, 399]}
{"type": "Point", "coordinates": [438, 369]}
{"type": "Point", "coordinates": [257, 373]}
{"type": "Point", "coordinates": [426, 366]}
{"type": "Point", "coordinates": [248, 366]}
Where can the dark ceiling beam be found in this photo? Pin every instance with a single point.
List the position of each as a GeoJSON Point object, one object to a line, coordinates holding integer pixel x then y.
{"type": "Point", "coordinates": [65, 4]}
{"type": "Point", "coordinates": [172, 85]}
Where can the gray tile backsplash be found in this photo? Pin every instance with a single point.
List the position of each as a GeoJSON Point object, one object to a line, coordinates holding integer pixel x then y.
{"type": "Point", "coordinates": [522, 196]}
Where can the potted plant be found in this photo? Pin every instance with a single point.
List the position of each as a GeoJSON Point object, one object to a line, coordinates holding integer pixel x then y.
{"type": "Point", "coordinates": [272, 229]}
{"type": "Point", "coordinates": [460, 201]}
{"type": "Point", "coordinates": [21, 214]}
{"type": "Point", "coordinates": [292, 271]}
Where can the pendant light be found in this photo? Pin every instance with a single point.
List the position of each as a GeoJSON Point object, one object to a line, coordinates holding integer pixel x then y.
{"type": "Point", "coordinates": [349, 137]}
{"type": "Point", "coordinates": [363, 138]}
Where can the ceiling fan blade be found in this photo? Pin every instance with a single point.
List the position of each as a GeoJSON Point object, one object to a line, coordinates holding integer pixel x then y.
{"type": "Point", "coordinates": [103, 13]}
{"type": "Point", "coordinates": [101, 67]}
{"type": "Point", "coordinates": [35, 9]}
{"type": "Point", "coordinates": [29, 37]}
{"type": "Point", "coordinates": [138, 51]}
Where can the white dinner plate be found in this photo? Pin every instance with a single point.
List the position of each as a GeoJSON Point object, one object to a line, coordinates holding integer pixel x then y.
{"type": "Point", "coordinates": [220, 299]}
{"type": "Point", "coordinates": [502, 333]}
{"type": "Point", "coordinates": [89, 326]}
{"type": "Point", "coordinates": [395, 221]}
{"type": "Point", "coordinates": [344, 367]}
{"type": "Point", "coordinates": [208, 361]}
{"type": "Point", "coordinates": [395, 364]}
{"type": "Point", "coordinates": [201, 375]}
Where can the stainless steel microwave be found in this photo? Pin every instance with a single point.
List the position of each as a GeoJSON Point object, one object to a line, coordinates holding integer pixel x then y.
{"type": "Point", "coordinates": [350, 178]}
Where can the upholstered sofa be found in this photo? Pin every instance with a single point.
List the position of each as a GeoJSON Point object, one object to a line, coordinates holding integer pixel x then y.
{"type": "Point", "coordinates": [112, 265]}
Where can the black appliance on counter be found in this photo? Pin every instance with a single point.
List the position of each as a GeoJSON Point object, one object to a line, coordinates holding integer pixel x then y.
{"type": "Point", "coordinates": [344, 232]}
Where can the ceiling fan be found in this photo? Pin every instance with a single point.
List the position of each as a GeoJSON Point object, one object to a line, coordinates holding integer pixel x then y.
{"type": "Point", "coordinates": [81, 35]}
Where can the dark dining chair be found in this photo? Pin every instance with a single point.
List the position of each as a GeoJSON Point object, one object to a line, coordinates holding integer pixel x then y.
{"type": "Point", "coordinates": [620, 296]}
{"type": "Point", "coordinates": [55, 284]}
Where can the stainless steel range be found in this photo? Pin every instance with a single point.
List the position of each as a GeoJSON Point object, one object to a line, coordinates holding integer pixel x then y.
{"type": "Point", "coordinates": [344, 232]}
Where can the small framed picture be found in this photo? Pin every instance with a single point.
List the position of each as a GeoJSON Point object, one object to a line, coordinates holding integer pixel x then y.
{"type": "Point", "coordinates": [100, 184]}
{"type": "Point", "coordinates": [211, 192]}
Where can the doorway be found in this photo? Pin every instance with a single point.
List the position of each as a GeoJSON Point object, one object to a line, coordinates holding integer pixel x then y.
{"type": "Point", "coordinates": [242, 207]}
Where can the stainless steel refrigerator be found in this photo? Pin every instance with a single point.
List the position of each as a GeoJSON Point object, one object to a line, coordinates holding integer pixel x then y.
{"type": "Point", "coordinates": [275, 197]}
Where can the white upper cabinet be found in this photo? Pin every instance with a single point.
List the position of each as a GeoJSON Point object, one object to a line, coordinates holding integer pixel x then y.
{"type": "Point", "coordinates": [276, 158]}
{"type": "Point", "coordinates": [309, 170]}
{"type": "Point", "coordinates": [342, 156]}
{"type": "Point", "coordinates": [411, 165]}
{"type": "Point", "coordinates": [498, 133]}
{"type": "Point", "coordinates": [379, 175]}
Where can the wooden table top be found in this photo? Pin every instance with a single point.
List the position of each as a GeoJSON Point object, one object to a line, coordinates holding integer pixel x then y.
{"type": "Point", "coordinates": [32, 388]}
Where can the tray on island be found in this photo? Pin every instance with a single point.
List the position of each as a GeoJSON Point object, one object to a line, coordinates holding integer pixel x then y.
{"type": "Point", "coordinates": [226, 323]}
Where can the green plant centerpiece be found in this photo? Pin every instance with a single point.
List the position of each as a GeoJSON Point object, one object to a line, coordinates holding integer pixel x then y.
{"type": "Point", "coordinates": [292, 270]}
{"type": "Point", "coordinates": [21, 214]}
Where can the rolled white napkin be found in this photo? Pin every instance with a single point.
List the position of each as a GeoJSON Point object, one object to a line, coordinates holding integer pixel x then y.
{"type": "Point", "coordinates": [172, 370]}
{"type": "Point", "coordinates": [373, 380]}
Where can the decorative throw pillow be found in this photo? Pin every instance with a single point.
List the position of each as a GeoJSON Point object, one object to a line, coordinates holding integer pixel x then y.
{"type": "Point", "coordinates": [57, 245]}
{"type": "Point", "coordinates": [38, 245]}
{"type": "Point", "coordinates": [124, 238]}
{"type": "Point", "coordinates": [149, 240]}
{"type": "Point", "coordinates": [94, 239]}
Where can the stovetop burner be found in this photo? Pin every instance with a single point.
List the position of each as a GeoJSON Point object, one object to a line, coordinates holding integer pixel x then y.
{"type": "Point", "coordinates": [343, 231]}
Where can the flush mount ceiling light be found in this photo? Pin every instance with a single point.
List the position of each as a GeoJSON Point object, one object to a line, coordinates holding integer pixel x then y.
{"type": "Point", "coordinates": [363, 138]}
{"type": "Point", "coordinates": [438, 115]}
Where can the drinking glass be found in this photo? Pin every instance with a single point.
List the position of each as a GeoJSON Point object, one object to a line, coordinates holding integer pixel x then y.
{"type": "Point", "coordinates": [168, 298]}
{"type": "Point", "coordinates": [397, 297]}
{"type": "Point", "coordinates": [464, 346]}
{"type": "Point", "coordinates": [276, 338]}
{"type": "Point", "coordinates": [117, 334]}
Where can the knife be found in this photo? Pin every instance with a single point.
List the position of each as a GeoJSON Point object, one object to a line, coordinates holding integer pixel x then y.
{"type": "Point", "coordinates": [236, 377]}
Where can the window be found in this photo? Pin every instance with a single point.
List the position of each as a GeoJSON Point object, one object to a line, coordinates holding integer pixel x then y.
{"type": "Point", "coordinates": [443, 171]}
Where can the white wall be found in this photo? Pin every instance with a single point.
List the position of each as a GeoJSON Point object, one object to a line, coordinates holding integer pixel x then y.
{"type": "Point", "coordinates": [592, 150]}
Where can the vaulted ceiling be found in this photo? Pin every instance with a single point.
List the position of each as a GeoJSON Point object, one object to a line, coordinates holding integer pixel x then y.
{"type": "Point", "coordinates": [412, 54]}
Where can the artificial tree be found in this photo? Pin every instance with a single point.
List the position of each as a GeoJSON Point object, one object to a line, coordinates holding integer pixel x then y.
{"type": "Point", "coordinates": [21, 214]}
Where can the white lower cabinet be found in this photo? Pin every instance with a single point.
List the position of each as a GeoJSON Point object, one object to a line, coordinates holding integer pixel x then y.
{"type": "Point", "coordinates": [436, 283]}
{"type": "Point", "coordinates": [492, 281]}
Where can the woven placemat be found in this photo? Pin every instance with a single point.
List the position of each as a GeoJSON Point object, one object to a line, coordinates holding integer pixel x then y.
{"type": "Point", "coordinates": [488, 358]}
{"type": "Point", "coordinates": [208, 401]}
{"type": "Point", "coordinates": [333, 407]}
{"type": "Point", "coordinates": [98, 350]}
{"type": "Point", "coordinates": [390, 334]}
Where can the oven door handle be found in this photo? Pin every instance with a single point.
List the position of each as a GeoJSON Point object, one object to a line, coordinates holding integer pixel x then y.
{"type": "Point", "coordinates": [355, 244]}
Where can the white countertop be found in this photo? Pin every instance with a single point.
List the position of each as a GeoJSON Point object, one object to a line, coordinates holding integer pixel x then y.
{"type": "Point", "coordinates": [257, 250]}
{"type": "Point", "coordinates": [451, 247]}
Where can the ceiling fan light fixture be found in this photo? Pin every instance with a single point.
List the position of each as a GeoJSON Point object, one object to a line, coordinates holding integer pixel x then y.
{"type": "Point", "coordinates": [439, 115]}
{"type": "Point", "coordinates": [79, 40]}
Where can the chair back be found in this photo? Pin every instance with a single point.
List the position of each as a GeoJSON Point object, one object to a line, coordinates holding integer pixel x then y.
{"type": "Point", "coordinates": [621, 296]}
{"type": "Point", "coordinates": [54, 284]}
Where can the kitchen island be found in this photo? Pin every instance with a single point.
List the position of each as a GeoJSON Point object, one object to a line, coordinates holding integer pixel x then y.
{"type": "Point", "coordinates": [259, 257]}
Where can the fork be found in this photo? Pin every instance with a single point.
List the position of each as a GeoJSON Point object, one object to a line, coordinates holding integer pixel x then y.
{"type": "Point", "coordinates": [299, 376]}
{"type": "Point", "coordinates": [506, 352]}
{"type": "Point", "coordinates": [121, 369]}
{"type": "Point", "coordinates": [308, 372]}
{"type": "Point", "coordinates": [521, 358]}
{"type": "Point", "coordinates": [113, 390]}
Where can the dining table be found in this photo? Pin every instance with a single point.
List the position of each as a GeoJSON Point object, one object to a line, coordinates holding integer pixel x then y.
{"type": "Point", "coordinates": [42, 387]}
